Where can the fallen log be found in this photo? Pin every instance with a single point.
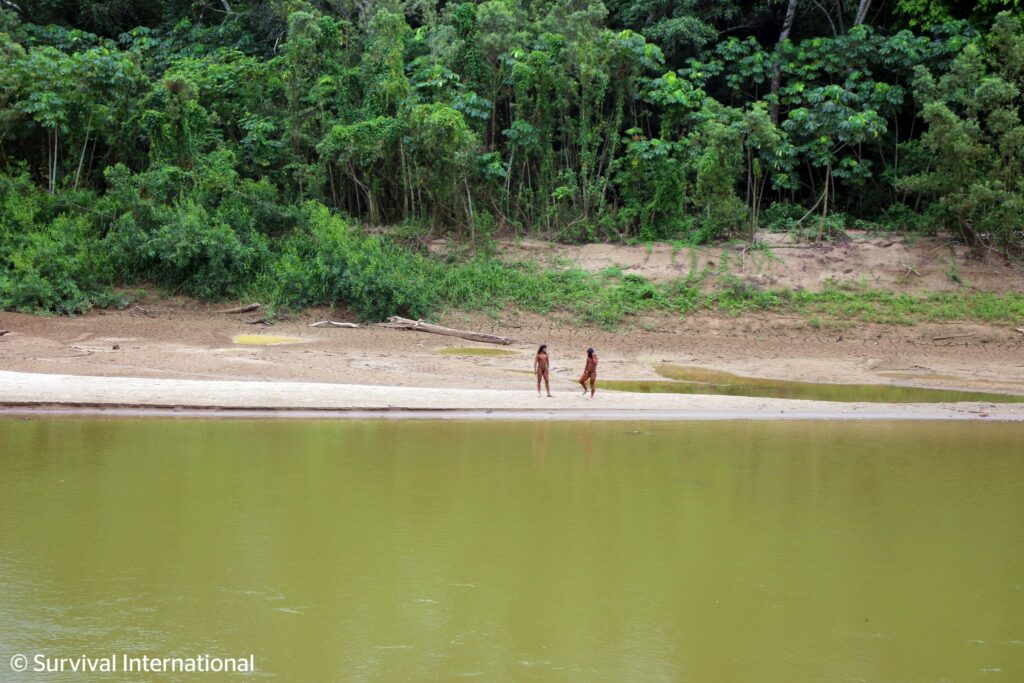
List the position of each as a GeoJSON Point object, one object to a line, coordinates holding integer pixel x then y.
{"type": "Point", "coordinates": [1019, 329]}
{"type": "Point", "coordinates": [241, 309]}
{"type": "Point", "coordinates": [3, 332]}
{"type": "Point", "coordinates": [332, 323]}
{"type": "Point", "coordinates": [398, 323]}
{"type": "Point", "coordinates": [258, 321]}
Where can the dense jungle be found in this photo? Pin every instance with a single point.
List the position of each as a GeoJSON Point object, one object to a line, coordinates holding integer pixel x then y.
{"type": "Point", "coordinates": [303, 153]}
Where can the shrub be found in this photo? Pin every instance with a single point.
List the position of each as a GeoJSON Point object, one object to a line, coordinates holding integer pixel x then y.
{"type": "Point", "coordinates": [49, 260]}
{"type": "Point", "coordinates": [55, 267]}
{"type": "Point", "coordinates": [190, 252]}
{"type": "Point", "coordinates": [326, 262]}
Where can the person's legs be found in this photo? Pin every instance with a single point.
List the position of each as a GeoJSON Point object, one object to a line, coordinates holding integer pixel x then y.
{"type": "Point", "coordinates": [547, 382]}
{"type": "Point", "coordinates": [538, 383]}
{"type": "Point", "coordinates": [583, 383]}
{"type": "Point", "coordinates": [593, 381]}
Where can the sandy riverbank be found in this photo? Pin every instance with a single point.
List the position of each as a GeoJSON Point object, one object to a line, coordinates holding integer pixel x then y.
{"type": "Point", "coordinates": [70, 393]}
{"type": "Point", "coordinates": [183, 355]}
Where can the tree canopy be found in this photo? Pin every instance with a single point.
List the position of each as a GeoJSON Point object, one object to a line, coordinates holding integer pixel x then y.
{"type": "Point", "coordinates": [190, 138]}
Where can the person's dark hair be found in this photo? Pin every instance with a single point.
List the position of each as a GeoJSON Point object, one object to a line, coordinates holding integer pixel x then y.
{"type": "Point", "coordinates": [590, 352]}
{"type": "Point", "coordinates": [543, 347]}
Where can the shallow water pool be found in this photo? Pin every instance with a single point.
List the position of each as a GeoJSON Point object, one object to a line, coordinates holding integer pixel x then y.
{"type": "Point", "coordinates": [265, 339]}
{"type": "Point", "coordinates": [696, 380]}
{"type": "Point", "coordinates": [598, 551]}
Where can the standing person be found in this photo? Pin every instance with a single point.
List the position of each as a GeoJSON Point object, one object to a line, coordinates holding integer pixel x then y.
{"type": "Point", "coordinates": [540, 368]}
{"type": "Point", "coordinates": [589, 372]}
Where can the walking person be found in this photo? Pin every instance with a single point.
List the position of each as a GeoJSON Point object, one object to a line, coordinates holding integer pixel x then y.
{"type": "Point", "coordinates": [541, 364]}
{"type": "Point", "coordinates": [589, 372]}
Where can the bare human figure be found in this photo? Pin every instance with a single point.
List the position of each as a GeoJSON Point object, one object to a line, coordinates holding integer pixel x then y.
{"type": "Point", "coordinates": [541, 364]}
{"type": "Point", "coordinates": [589, 372]}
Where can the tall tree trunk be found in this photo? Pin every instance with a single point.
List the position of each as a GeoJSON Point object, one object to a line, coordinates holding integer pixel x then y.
{"type": "Point", "coordinates": [52, 161]}
{"type": "Point", "coordinates": [824, 211]}
{"type": "Point", "coordinates": [85, 146]}
{"type": "Point", "coordinates": [749, 198]}
{"type": "Point", "coordinates": [81, 160]}
{"type": "Point", "coordinates": [469, 211]}
{"type": "Point", "coordinates": [862, 12]}
{"type": "Point", "coordinates": [787, 25]}
{"type": "Point", "coordinates": [49, 162]}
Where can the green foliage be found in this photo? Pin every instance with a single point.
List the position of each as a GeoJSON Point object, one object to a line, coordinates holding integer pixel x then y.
{"type": "Point", "coordinates": [717, 149]}
{"type": "Point", "coordinates": [195, 231]}
{"type": "Point", "coordinates": [654, 187]}
{"type": "Point", "coordinates": [190, 252]}
{"type": "Point", "coordinates": [51, 268]}
{"type": "Point", "coordinates": [327, 261]}
{"type": "Point", "coordinates": [572, 118]}
{"type": "Point", "coordinates": [973, 170]}
{"type": "Point", "coordinates": [931, 13]}
{"type": "Point", "coordinates": [49, 261]}
{"type": "Point", "coordinates": [180, 143]}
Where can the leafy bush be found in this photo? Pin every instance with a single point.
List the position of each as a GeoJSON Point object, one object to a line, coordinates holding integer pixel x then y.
{"type": "Point", "coordinates": [326, 261]}
{"type": "Point", "coordinates": [55, 267]}
{"type": "Point", "coordinates": [49, 261]}
{"type": "Point", "coordinates": [781, 217]}
{"type": "Point", "coordinates": [971, 150]}
{"type": "Point", "coordinates": [189, 252]}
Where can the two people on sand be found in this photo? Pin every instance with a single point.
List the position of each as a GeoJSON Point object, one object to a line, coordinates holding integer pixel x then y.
{"type": "Point", "coordinates": [542, 365]}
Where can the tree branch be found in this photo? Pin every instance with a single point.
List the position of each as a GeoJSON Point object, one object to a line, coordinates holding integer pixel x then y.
{"type": "Point", "coordinates": [862, 12]}
{"type": "Point", "coordinates": [787, 24]}
{"type": "Point", "coordinates": [827, 17]}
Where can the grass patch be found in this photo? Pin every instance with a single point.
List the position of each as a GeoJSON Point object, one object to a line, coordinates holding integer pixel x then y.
{"type": "Point", "coordinates": [63, 263]}
{"type": "Point", "coordinates": [608, 298]}
{"type": "Point", "coordinates": [608, 301]}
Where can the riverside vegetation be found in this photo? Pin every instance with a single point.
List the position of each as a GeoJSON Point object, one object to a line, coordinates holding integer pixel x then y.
{"type": "Point", "coordinates": [240, 148]}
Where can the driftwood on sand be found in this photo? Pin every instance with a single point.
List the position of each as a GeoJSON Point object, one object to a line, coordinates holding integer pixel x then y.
{"type": "Point", "coordinates": [240, 309]}
{"type": "Point", "coordinates": [332, 323]}
{"type": "Point", "coordinates": [406, 324]}
{"type": "Point", "coordinates": [3, 332]}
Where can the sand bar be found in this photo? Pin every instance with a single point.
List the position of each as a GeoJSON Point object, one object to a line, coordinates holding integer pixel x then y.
{"type": "Point", "coordinates": [20, 392]}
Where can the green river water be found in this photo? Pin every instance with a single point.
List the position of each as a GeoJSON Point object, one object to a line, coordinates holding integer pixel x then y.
{"type": "Point", "coordinates": [336, 550]}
